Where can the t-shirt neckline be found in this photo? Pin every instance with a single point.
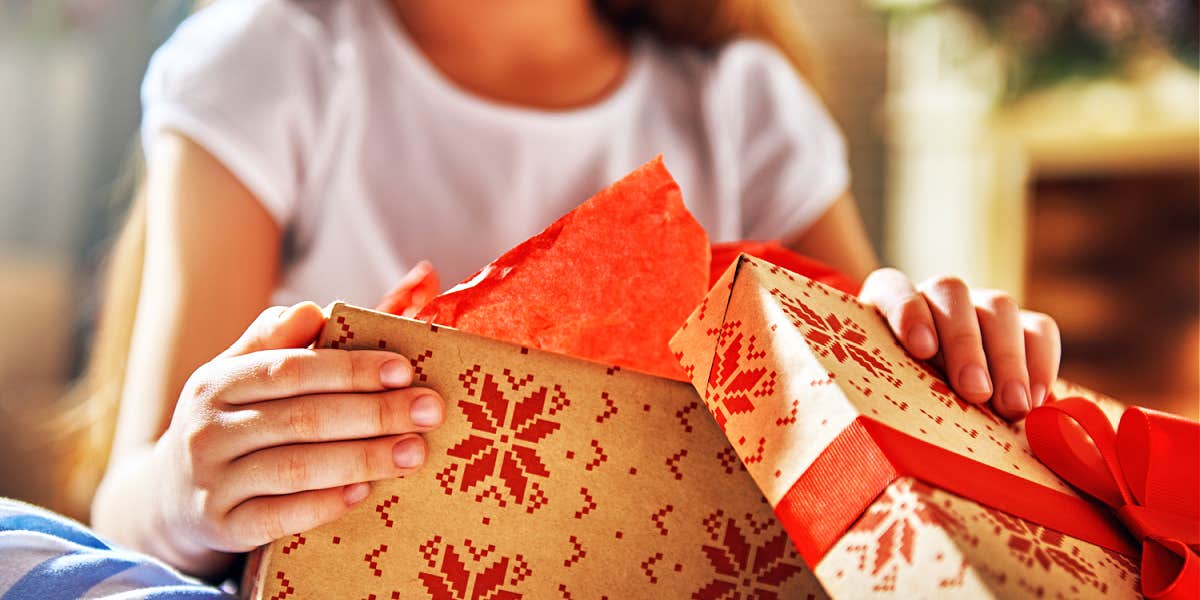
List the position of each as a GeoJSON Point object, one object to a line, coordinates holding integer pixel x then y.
{"type": "Point", "coordinates": [429, 75]}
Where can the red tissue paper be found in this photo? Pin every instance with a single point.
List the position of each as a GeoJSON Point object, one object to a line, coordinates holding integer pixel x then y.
{"type": "Point", "coordinates": [610, 281]}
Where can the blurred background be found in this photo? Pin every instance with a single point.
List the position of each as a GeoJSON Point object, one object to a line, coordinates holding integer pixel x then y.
{"type": "Point", "coordinates": [1046, 147]}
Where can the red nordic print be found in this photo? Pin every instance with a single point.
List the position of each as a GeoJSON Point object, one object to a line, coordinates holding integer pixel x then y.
{"type": "Point", "coordinates": [372, 560]}
{"type": "Point", "coordinates": [297, 541]}
{"type": "Point", "coordinates": [836, 336]}
{"type": "Point", "coordinates": [589, 503]}
{"type": "Point", "coordinates": [577, 552]}
{"type": "Point", "coordinates": [461, 573]}
{"type": "Point", "coordinates": [286, 589]}
{"type": "Point", "coordinates": [891, 527]}
{"type": "Point", "coordinates": [1043, 549]}
{"type": "Point", "coordinates": [344, 337]}
{"type": "Point", "coordinates": [739, 374]}
{"type": "Point", "coordinates": [730, 461]}
{"type": "Point", "coordinates": [744, 570]}
{"type": "Point", "coordinates": [382, 509]}
{"type": "Point", "coordinates": [610, 408]}
{"type": "Point", "coordinates": [508, 419]}
{"type": "Point", "coordinates": [419, 373]}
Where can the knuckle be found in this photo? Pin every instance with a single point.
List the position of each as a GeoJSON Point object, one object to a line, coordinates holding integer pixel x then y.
{"type": "Point", "coordinates": [208, 505]}
{"type": "Point", "coordinates": [343, 367]}
{"type": "Point", "coordinates": [293, 471]}
{"type": "Point", "coordinates": [202, 385]}
{"type": "Point", "coordinates": [271, 525]}
{"type": "Point", "coordinates": [996, 301]}
{"type": "Point", "coordinates": [384, 421]}
{"type": "Point", "coordinates": [881, 276]}
{"type": "Point", "coordinates": [200, 438]}
{"type": "Point", "coordinates": [304, 420]}
{"type": "Point", "coordinates": [963, 344]}
{"type": "Point", "coordinates": [1008, 363]}
{"type": "Point", "coordinates": [949, 284]}
{"type": "Point", "coordinates": [903, 310]}
{"type": "Point", "coordinates": [910, 306]}
{"type": "Point", "coordinates": [355, 371]}
{"type": "Point", "coordinates": [270, 313]}
{"type": "Point", "coordinates": [368, 465]}
{"type": "Point", "coordinates": [1041, 323]}
{"type": "Point", "coordinates": [286, 371]}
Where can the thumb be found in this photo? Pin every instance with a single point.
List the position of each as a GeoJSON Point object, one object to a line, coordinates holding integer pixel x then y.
{"type": "Point", "coordinates": [280, 327]}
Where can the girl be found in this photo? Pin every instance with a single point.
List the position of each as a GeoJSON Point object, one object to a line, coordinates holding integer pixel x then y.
{"type": "Point", "coordinates": [314, 149]}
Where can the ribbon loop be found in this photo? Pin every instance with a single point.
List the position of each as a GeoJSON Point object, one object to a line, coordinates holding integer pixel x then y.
{"type": "Point", "coordinates": [1145, 472]}
{"type": "Point", "coordinates": [1075, 439]}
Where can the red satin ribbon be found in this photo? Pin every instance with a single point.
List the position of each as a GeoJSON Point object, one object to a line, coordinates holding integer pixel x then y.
{"type": "Point", "coordinates": [1148, 472]}
{"type": "Point", "coordinates": [824, 502]}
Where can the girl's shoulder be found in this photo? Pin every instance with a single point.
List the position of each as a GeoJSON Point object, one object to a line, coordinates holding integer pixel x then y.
{"type": "Point", "coordinates": [264, 39]}
{"type": "Point", "coordinates": [748, 83]}
{"type": "Point", "coordinates": [742, 66]}
{"type": "Point", "coordinates": [251, 82]}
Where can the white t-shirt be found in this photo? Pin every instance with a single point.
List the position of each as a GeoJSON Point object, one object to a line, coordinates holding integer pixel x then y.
{"type": "Point", "coordinates": [370, 159]}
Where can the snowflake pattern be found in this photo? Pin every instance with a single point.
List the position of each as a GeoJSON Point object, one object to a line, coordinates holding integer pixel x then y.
{"type": "Point", "coordinates": [460, 573]}
{"type": "Point", "coordinates": [893, 539]}
{"type": "Point", "coordinates": [744, 570]}
{"type": "Point", "coordinates": [838, 336]}
{"type": "Point", "coordinates": [508, 420]}
{"type": "Point", "coordinates": [738, 375]}
{"type": "Point", "coordinates": [886, 536]}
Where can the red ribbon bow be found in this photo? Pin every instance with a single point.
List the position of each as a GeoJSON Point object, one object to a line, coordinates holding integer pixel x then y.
{"type": "Point", "coordinates": [1148, 472]}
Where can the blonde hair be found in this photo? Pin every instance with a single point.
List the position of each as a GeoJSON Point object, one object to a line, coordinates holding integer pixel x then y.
{"type": "Point", "coordinates": [705, 24]}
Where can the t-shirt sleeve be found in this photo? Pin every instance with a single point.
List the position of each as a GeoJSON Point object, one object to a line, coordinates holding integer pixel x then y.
{"type": "Point", "coordinates": [790, 155]}
{"type": "Point", "coordinates": [240, 78]}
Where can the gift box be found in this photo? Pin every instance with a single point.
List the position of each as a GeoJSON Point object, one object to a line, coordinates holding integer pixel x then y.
{"type": "Point", "coordinates": [887, 482]}
{"type": "Point", "coordinates": [552, 477]}
{"type": "Point", "coordinates": [809, 457]}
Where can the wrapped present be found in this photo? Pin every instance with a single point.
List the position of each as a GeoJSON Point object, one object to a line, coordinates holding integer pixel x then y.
{"type": "Point", "coordinates": [888, 483]}
{"type": "Point", "coordinates": [552, 477]}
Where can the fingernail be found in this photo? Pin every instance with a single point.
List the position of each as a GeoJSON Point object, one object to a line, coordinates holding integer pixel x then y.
{"type": "Point", "coordinates": [395, 373]}
{"type": "Point", "coordinates": [408, 453]}
{"type": "Point", "coordinates": [921, 341]}
{"type": "Point", "coordinates": [974, 380]}
{"type": "Point", "coordinates": [1015, 398]}
{"type": "Point", "coordinates": [1038, 397]}
{"type": "Point", "coordinates": [426, 411]}
{"type": "Point", "coordinates": [355, 493]}
{"type": "Point", "coordinates": [286, 312]}
{"type": "Point", "coordinates": [293, 309]}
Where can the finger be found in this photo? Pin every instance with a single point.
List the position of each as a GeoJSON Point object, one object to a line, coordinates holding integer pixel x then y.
{"type": "Point", "coordinates": [332, 417]}
{"type": "Point", "coordinates": [423, 293]}
{"type": "Point", "coordinates": [1004, 343]}
{"type": "Point", "coordinates": [299, 467]}
{"type": "Point", "coordinates": [414, 291]}
{"type": "Point", "coordinates": [272, 374]}
{"type": "Point", "coordinates": [905, 308]}
{"type": "Point", "coordinates": [280, 327]}
{"type": "Point", "coordinates": [1043, 353]}
{"type": "Point", "coordinates": [959, 337]}
{"type": "Point", "coordinates": [262, 520]}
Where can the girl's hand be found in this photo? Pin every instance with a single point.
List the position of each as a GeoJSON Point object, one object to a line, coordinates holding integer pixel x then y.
{"type": "Point", "coordinates": [988, 347]}
{"type": "Point", "coordinates": [415, 290]}
{"type": "Point", "coordinates": [270, 439]}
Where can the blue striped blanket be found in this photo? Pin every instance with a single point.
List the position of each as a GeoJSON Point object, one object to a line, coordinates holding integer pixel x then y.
{"type": "Point", "coordinates": [45, 556]}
